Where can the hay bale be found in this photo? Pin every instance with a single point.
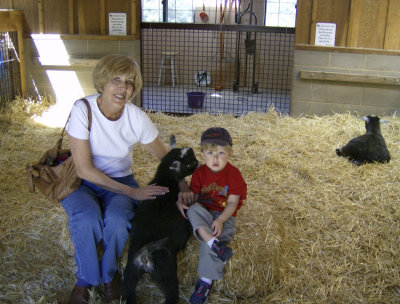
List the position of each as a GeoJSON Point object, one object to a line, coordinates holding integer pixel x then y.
{"type": "Point", "coordinates": [314, 229]}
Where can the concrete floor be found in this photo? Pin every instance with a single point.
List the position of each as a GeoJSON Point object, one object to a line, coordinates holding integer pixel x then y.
{"type": "Point", "coordinates": [170, 99]}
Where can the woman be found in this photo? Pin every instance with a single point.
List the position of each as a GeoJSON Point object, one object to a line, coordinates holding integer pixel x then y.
{"type": "Point", "coordinates": [101, 209]}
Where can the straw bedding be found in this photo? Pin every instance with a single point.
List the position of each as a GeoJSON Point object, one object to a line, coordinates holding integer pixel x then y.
{"type": "Point", "coordinates": [314, 229]}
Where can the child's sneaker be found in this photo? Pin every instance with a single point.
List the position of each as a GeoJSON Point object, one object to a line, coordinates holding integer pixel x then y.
{"type": "Point", "coordinates": [200, 293]}
{"type": "Point", "coordinates": [221, 251]}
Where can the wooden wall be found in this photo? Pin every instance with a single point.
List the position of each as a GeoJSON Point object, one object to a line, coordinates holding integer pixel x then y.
{"type": "Point", "coordinates": [77, 17]}
{"type": "Point", "coordinates": [369, 24]}
{"type": "Point", "coordinates": [361, 72]}
{"type": "Point", "coordinates": [372, 24]}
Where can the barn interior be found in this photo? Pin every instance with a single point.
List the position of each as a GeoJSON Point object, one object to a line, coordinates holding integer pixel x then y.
{"type": "Point", "coordinates": [314, 229]}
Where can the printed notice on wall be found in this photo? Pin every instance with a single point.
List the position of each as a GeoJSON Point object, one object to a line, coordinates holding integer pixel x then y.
{"type": "Point", "coordinates": [325, 34]}
{"type": "Point", "coordinates": [117, 24]}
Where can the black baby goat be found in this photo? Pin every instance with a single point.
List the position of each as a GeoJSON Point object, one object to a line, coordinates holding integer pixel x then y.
{"type": "Point", "coordinates": [368, 148]}
{"type": "Point", "coordinates": [159, 231]}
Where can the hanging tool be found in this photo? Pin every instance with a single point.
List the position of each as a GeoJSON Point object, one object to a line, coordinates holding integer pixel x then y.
{"type": "Point", "coordinates": [203, 14]}
{"type": "Point", "coordinates": [250, 47]}
{"type": "Point", "coordinates": [236, 13]}
{"type": "Point", "coordinates": [220, 86]}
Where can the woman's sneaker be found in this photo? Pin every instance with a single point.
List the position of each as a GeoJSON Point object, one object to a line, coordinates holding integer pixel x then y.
{"type": "Point", "coordinates": [200, 293]}
{"type": "Point", "coordinates": [221, 251]}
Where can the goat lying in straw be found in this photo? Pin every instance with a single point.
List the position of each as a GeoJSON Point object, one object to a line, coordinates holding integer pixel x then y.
{"type": "Point", "coordinates": [367, 148]}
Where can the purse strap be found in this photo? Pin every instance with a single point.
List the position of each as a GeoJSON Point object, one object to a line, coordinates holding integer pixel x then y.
{"type": "Point", "coordinates": [89, 110]}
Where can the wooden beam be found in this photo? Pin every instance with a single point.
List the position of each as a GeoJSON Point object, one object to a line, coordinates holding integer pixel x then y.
{"type": "Point", "coordinates": [97, 37]}
{"type": "Point", "coordinates": [9, 20]}
{"type": "Point", "coordinates": [339, 49]}
{"type": "Point", "coordinates": [11, 4]}
{"type": "Point", "coordinates": [347, 77]}
{"type": "Point", "coordinates": [75, 62]}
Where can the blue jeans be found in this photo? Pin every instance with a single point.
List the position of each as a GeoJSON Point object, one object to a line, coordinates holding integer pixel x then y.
{"type": "Point", "coordinates": [98, 215]}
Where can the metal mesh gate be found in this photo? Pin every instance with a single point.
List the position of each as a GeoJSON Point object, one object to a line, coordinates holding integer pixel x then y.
{"type": "Point", "coordinates": [10, 81]}
{"type": "Point", "coordinates": [239, 68]}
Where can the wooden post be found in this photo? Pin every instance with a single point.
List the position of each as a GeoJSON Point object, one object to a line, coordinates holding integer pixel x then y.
{"type": "Point", "coordinates": [41, 16]}
{"type": "Point", "coordinates": [303, 21]}
{"type": "Point", "coordinates": [21, 55]}
{"type": "Point", "coordinates": [313, 22]}
{"type": "Point", "coordinates": [354, 24]}
{"type": "Point", "coordinates": [103, 17]}
{"type": "Point", "coordinates": [71, 17]}
{"type": "Point", "coordinates": [135, 18]}
{"type": "Point", "coordinates": [81, 25]}
{"type": "Point", "coordinates": [11, 4]}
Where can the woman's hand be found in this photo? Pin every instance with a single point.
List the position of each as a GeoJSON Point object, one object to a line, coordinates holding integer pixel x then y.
{"type": "Point", "coordinates": [82, 157]}
{"type": "Point", "coordinates": [148, 192]}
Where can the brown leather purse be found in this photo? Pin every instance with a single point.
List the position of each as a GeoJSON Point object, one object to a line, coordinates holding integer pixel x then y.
{"type": "Point", "coordinates": [55, 175]}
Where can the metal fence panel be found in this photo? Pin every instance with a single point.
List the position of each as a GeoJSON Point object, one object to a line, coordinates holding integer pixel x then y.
{"type": "Point", "coordinates": [10, 81]}
{"type": "Point", "coordinates": [240, 68]}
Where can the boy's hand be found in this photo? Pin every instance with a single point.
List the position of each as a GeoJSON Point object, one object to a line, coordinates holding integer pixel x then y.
{"type": "Point", "coordinates": [182, 207]}
{"type": "Point", "coordinates": [217, 226]}
{"type": "Point", "coordinates": [185, 198]}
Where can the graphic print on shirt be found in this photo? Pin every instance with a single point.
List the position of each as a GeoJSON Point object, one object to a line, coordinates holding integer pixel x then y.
{"type": "Point", "coordinates": [214, 195]}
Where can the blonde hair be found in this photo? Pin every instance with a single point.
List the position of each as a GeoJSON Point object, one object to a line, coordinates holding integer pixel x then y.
{"type": "Point", "coordinates": [211, 147]}
{"type": "Point", "coordinates": [114, 65]}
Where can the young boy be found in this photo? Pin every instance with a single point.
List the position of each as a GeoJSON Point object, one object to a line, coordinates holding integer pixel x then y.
{"type": "Point", "coordinates": [219, 191]}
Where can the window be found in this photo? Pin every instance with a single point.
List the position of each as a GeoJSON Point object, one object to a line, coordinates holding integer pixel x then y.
{"type": "Point", "coordinates": [277, 12]}
{"type": "Point", "coordinates": [152, 11]}
{"type": "Point", "coordinates": [280, 13]}
{"type": "Point", "coordinates": [183, 11]}
{"type": "Point", "coordinates": [179, 11]}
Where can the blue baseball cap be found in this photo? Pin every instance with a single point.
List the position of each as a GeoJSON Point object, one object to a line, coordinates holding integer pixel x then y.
{"type": "Point", "coordinates": [216, 135]}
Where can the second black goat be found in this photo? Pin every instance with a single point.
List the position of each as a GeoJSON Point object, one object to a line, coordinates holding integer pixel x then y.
{"type": "Point", "coordinates": [367, 148]}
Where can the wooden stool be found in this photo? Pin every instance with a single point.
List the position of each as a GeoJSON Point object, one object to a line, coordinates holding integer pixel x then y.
{"type": "Point", "coordinates": [168, 62]}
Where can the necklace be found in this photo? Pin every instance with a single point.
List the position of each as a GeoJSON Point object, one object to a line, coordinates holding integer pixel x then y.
{"type": "Point", "coordinates": [112, 116]}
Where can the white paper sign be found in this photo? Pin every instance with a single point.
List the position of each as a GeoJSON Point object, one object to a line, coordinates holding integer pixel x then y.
{"type": "Point", "coordinates": [117, 24]}
{"type": "Point", "coordinates": [325, 34]}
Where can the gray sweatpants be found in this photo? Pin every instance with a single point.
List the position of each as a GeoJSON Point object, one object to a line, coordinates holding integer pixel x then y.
{"type": "Point", "coordinates": [209, 265]}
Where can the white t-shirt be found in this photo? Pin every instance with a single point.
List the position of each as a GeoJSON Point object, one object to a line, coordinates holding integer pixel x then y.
{"type": "Point", "coordinates": [111, 142]}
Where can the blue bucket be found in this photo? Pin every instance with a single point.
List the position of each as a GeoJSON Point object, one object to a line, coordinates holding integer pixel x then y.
{"type": "Point", "coordinates": [196, 99]}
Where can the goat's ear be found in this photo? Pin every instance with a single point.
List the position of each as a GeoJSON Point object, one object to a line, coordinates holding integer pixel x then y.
{"type": "Point", "coordinates": [172, 142]}
{"type": "Point", "coordinates": [383, 121]}
{"type": "Point", "coordinates": [365, 118]}
{"type": "Point", "coordinates": [176, 165]}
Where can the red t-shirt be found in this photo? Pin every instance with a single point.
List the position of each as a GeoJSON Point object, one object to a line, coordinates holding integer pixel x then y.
{"type": "Point", "coordinates": [215, 187]}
